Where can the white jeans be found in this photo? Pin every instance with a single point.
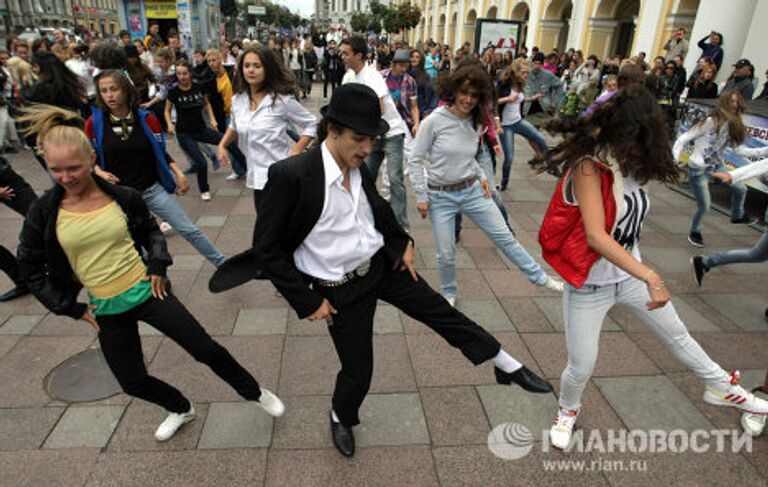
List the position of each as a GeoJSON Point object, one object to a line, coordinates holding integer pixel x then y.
{"type": "Point", "coordinates": [584, 311]}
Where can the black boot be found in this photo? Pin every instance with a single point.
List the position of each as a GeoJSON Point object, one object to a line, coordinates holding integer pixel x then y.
{"type": "Point", "coordinates": [524, 378]}
{"type": "Point", "coordinates": [343, 438]}
{"type": "Point", "coordinates": [17, 292]}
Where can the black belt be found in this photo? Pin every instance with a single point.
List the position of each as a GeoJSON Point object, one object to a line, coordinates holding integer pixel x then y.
{"type": "Point", "coordinates": [360, 271]}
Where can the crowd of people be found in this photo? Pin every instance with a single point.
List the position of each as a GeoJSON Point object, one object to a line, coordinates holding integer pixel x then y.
{"type": "Point", "coordinates": [98, 117]}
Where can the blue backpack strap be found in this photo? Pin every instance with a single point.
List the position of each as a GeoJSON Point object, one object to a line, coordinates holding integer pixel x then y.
{"type": "Point", "coordinates": [97, 118]}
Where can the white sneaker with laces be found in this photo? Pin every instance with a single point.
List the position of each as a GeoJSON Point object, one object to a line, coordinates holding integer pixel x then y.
{"type": "Point", "coordinates": [165, 227]}
{"type": "Point", "coordinates": [554, 285]}
{"type": "Point", "coordinates": [270, 403]}
{"type": "Point", "coordinates": [232, 177]}
{"type": "Point", "coordinates": [561, 432]}
{"type": "Point", "coordinates": [206, 196]}
{"type": "Point", "coordinates": [753, 424]}
{"type": "Point", "coordinates": [172, 423]}
{"type": "Point", "coordinates": [730, 393]}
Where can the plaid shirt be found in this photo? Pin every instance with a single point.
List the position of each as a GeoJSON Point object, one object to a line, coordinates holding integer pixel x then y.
{"type": "Point", "coordinates": [408, 91]}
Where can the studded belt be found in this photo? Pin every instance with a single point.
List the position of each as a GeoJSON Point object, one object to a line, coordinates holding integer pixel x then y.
{"type": "Point", "coordinates": [455, 186]}
{"type": "Point", "coordinates": [360, 271]}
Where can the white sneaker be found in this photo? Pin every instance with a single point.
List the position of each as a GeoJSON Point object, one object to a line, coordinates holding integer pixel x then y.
{"type": "Point", "coordinates": [730, 393]}
{"type": "Point", "coordinates": [165, 227]}
{"type": "Point", "coordinates": [271, 403]}
{"type": "Point", "coordinates": [172, 423]}
{"type": "Point", "coordinates": [232, 177]}
{"type": "Point", "coordinates": [561, 432]}
{"type": "Point", "coordinates": [206, 196]}
{"type": "Point", "coordinates": [554, 285]}
{"type": "Point", "coordinates": [451, 301]}
{"type": "Point", "coordinates": [753, 424]}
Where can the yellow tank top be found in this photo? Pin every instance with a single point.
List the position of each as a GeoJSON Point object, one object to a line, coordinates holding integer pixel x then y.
{"type": "Point", "coordinates": [100, 250]}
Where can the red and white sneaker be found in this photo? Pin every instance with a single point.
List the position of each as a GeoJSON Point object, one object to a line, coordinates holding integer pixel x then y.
{"type": "Point", "coordinates": [561, 432]}
{"type": "Point", "coordinates": [730, 393]}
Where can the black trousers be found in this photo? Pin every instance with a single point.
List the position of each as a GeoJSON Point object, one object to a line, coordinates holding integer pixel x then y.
{"type": "Point", "coordinates": [257, 194]}
{"type": "Point", "coordinates": [333, 81]}
{"type": "Point", "coordinates": [23, 198]}
{"type": "Point", "coordinates": [121, 345]}
{"type": "Point", "coordinates": [352, 328]}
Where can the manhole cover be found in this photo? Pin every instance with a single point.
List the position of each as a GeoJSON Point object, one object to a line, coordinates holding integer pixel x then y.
{"type": "Point", "coordinates": [82, 378]}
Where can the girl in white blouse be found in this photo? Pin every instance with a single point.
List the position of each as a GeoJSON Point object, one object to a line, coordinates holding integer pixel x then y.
{"type": "Point", "coordinates": [264, 104]}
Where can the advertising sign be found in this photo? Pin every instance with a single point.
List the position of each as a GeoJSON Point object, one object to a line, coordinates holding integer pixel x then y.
{"type": "Point", "coordinates": [160, 9]}
{"type": "Point", "coordinates": [503, 35]}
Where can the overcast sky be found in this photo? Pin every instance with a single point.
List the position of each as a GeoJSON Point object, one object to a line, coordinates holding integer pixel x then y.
{"type": "Point", "coordinates": [305, 7]}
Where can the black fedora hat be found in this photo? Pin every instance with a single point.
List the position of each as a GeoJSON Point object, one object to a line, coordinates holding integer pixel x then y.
{"type": "Point", "coordinates": [356, 106]}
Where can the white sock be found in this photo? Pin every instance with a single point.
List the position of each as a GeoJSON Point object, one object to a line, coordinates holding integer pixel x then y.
{"type": "Point", "coordinates": [506, 362]}
{"type": "Point", "coordinates": [334, 417]}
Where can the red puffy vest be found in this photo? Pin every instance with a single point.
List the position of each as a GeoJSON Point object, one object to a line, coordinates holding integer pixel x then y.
{"type": "Point", "coordinates": [562, 236]}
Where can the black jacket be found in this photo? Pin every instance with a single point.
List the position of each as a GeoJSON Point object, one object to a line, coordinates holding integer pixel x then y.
{"type": "Point", "coordinates": [205, 79]}
{"type": "Point", "coordinates": [290, 207]}
{"type": "Point", "coordinates": [44, 266]}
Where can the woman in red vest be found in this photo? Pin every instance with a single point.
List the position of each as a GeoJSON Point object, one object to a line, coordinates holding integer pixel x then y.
{"type": "Point", "coordinates": [590, 236]}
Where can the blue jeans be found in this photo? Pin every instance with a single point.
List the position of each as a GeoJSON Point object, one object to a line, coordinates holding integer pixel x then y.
{"type": "Point", "coordinates": [699, 181]}
{"type": "Point", "coordinates": [483, 157]}
{"type": "Point", "coordinates": [758, 253]}
{"type": "Point", "coordinates": [392, 149]}
{"type": "Point", "coordinates": [524, 128]}
{"type": "Point", "coordinates": [166, 207]}
{"type": "Point", "coordinates": [443, 207]}
{"type": "Point", "coordinates": [188, 143]}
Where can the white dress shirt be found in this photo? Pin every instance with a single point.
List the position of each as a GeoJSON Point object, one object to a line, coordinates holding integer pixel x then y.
{"type": "Point", "coordinates": [370, 77]}
{"type": "Point", "coordinates": [344, 236]}
{"type": "Point", "coordinates": [261, 133]}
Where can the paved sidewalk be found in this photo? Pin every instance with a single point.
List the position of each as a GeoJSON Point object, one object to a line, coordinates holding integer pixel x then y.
{"type": "Point", "coordinates": [427, 419]}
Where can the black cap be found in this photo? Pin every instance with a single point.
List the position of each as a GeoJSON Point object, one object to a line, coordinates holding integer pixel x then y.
{"type": "Point", "coordinates": [743, 62]}
{"type": "Point", "coordinates": [356, 106]}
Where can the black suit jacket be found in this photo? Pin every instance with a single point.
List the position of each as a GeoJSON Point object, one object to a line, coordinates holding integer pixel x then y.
{"type": "Point", "coordinates": [290, 207]}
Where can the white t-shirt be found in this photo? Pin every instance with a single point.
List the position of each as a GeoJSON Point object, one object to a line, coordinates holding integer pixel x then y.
{"type": "Point", "coordinates": [631, 215]}
{"type": "Point", "coordinates": [511, 113]}
{"type": "Point", "coordinates": [373, 79]}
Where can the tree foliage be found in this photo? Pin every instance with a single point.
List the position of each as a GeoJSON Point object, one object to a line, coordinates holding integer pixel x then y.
{"type": "Point", "coordinates": [391, 18]}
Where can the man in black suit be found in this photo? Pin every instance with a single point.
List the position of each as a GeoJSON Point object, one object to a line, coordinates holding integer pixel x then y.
{"type": "Point", "coordinates": [332, 246]}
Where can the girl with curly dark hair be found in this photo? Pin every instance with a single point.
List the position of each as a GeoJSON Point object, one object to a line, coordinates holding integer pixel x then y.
{"type": "Point", "coordinates": [590, 236]}
{"type": "Point", "coordinates": [264, 104]}
{"type": "Point", "coordinates": [456, 182]}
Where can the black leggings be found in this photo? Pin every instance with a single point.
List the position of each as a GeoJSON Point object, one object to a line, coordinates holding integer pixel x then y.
{"type": "Point", "coordinates": [121, 345]}
{"type": "Point", "coordinates": [23, 198]}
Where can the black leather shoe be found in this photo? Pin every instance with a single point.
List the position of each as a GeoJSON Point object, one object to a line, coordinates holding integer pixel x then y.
{"type": "Point", "coordinates": [343, 438]}
{"type": "Point", "coordinates": [14, 293]}
{"type": "Point", "coordinates": [524, 378]}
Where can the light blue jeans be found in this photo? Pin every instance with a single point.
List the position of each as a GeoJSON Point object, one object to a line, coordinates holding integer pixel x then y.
{"type": "Point", "coordinates": [698, 178]}
{"type": "Point", "coordinates": [392, 149]}
{"type": "Point", "coordinates": [528, 131]}
{"type": "Point", "coordinates": [584, 310]}
{"type": "Point", "coordinates": [166, 207]}
{"type": "Point", "coordinates": [483, 157]}
{"type": "Point", "coordinates": [443, 207]}
{"type": "Point", "coordinates": [758, 253]}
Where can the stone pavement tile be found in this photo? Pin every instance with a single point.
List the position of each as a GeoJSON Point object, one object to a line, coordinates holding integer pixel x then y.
{"type": "Point", "coordinates": [462, 466]}
{"type": "Point", "coordinates": [309, 366]}
{"type": "Point", "coordinates": [23, 369]}
{"type": "Point", "coordinates": [721, 417]}
{"type": "Point", "coordinates": [229, 192]}
{"type": "Point", "coordinates": [390, 420]}
{"type": "Point", "coordinates": [7, 342]}
{"type": "Point", "coordinates": [486, 258]}
{"type": "Point", "coordinates": [20, 324]}
{"type": "Point", "coordinates": [463, 259]}
{"type": "Point", "coordinates": [759, 455]}
{"type": "Point", "coordinates": [487, 313]}
{"type": "Point", "coordinates": [299, 327]}
{"type": "Point", "coordinates": [674, 223]}
{"type": "Point", "coordinates": [745, 310]}
{"type": "Point", "coordinates": [36, 468]}
{"type": "Point", "coordinates": [552, 307]}
{"type": "Point", "coordinates": [471, 283]}
{"type": "Point", "coordinates": [194, 468]}
{"type": "Point", "coordinates": [26, 429]}
{"type": "Point", "coordinates": [190, 262]}
{"type": "Point", "coordinates": [374, 467]}
{"type": "Point", "coordinates": [722, 226]}
{"type": "Point", "coordinates": [454, 415]}
{"type": "Point", "coordinates": [305, 424]}
{"type": "Point", "coordinates": [671, 260]}
{"type": "Point", "coordinates": [512, 283]}
{"type": "Point", "coordinates": [687, 309]}
{"type": "Point", "coordinates": [244, 207]}
{"type": "Point", "coordinates": [87, 426]}
{"type": "Point", "coordinates": [387, 320]}
{"type": "Point", "coordinates": [681, 469]}
{"type": "Point", "coordinates": [735, 350]}
{"type": "Point", "coordinates": [136, 431]}
{"type": "Point", "coordinates": [53, 325]}
{"type": "Point", "coordinates": [261, 321]}
{"type": "Point", "coordinates": [392, 370]}
{"type": "Point", "coordinates": [211, 221]}
{"type": "Point", "coordinates": [525, 315]}
{"type": "Point", "coordinates": [617, 355]}
{"type": "Point", "coordinates": [236, 425]}
{"type": "Point", "coordinates": [512, 404]}
{"type": "Point", "coordinates": [25, 305]}
{"type": "Point", "coordinates": [259, 355]}
{"type": "Point", "coordinates": [660, 405]}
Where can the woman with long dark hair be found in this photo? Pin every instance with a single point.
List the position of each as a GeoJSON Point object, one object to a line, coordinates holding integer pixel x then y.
{"type": "Point", "coordinates": [427, 97]}
{"type": "Point", "coordinates": [455, 182]}
{"type": "Point", "coordinates": [85, 232]}
{"type": "Point", "coordinates": [590, 236]}
{"type": "Point", "coordinates": [264, 104]}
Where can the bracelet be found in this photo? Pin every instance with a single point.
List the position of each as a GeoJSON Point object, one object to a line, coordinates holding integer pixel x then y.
{"type": "Point", "coordinates": [658, 288]}
{"type": "Point", "coordinates": [645, 277]}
